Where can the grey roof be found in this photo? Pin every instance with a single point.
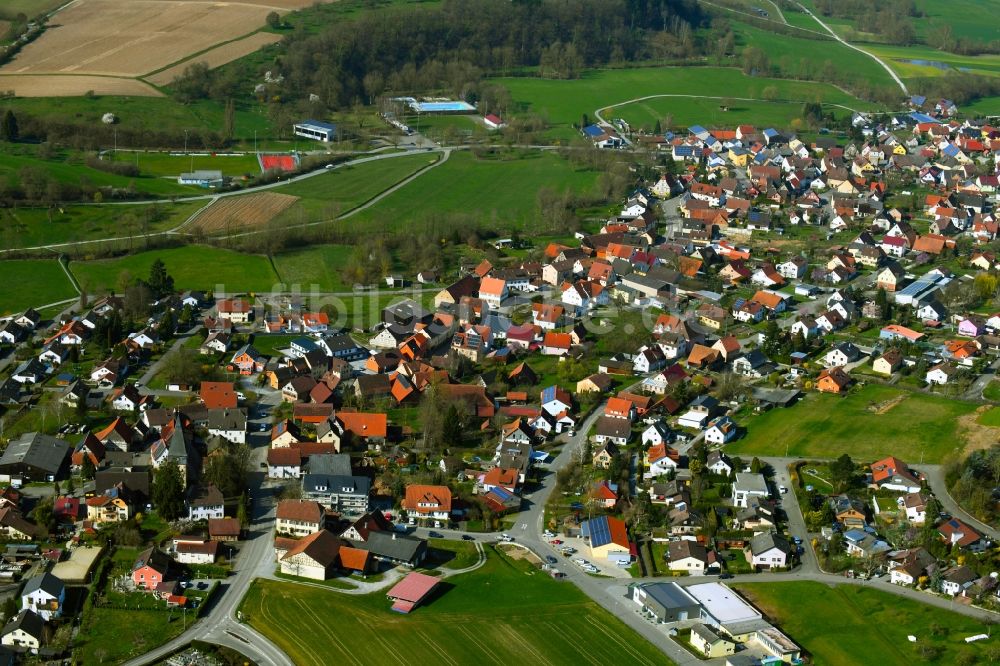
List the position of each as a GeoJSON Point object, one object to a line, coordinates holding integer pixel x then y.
{"type": "Point", "coordinates": [27, 621]}
{"type": "Point", "coordinates": [706, 634]}
{"type": "Point", "coordinates": [46, 582]}
{"type": "Point", "coordinates": [750, 483]}
{"type": "Point", "coordinates": [395, 546]}
{"type": "Point", "coordinates": [330, 464]}
{"type": "Point", "coordinates": [765, 541]}
{"type": "Point", "coordinates": [670, 595]}
{"type": "Point", "coordinates": [608, 426]}
{"type": "Point", "coordinates": [337, 484]}
{"type": "Point", "coordinates": [43, 452]}
{"type": "Point", "coordinates": [227, 419]}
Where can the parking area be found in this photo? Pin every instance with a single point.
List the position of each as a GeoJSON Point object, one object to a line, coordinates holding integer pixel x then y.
{"type": "Point", "coordinates": [581, 557]}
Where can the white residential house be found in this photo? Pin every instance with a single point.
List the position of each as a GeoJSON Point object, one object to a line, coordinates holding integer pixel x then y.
{"type": "Point", "coordinates": [658, 462]}
{"type": "Point", "coordinates": [44, 594]}
{"type": "Point", "coordinates": [206, 503]}
{"type": "Point", "coordinates": [841, 355]}
{"type": "Point", "coordinates": [720, 430]}
{"type": "Point", "coordinates": [657, 433]}
{"type": "Point", "coordinates": [719, 464]}
{"type": "Point", "coordinates": [768, 550]}
{"type": "Point", "coordinates": [793, 269]}
{"type": "Point", "coordinates": [915, 506]}
{"type": "Point", "coordinates": [940, 374]}
{"type": "Point", "coordinates": [806, 326]}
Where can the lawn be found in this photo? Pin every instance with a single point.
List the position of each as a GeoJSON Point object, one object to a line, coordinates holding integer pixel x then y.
{"type": "Point", "coordinates": [564, 102]}
{"type": "Point", "coordinates": [990, 417]}
{"type": "Point", "coordinates": [318, 265]}
{"type": "Point", "coordinates": [968, 18]}
{"type": "Point", "coordinates": [848, 624]}
{"type": "Point", "coordinates": [192, 267]}
{"type": "Point", "coordinates": [269, 345]}
{"type": "Point", "coordinates": [825, 426]}
{"type": "Point", "coordinates": [148, 114]}
{"type": "Point", "coordinates": [166, 164]}
{"type": "Point", "coordinates": [32, 282]}
{"type": "Point", "coordinates": [992, 391]}
{"type": "Point", "coordinates": [500, 191]}
{"type": "Point", "coordinates": [452, 554]}
{"type": "Point", "coordinates": [111, 635]}
{"type": "Point", "coordinates": [497, 614]}
{"type": "Point", "coordinates": [345, 188]}
{"type": "Point", "coordinates": [32, 227]}
{"type": "Point", "coordinates": [30, 8]}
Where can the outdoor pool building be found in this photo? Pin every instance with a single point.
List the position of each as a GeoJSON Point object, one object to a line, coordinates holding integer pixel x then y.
{"type": "Point", "coordinates": [314, 129]}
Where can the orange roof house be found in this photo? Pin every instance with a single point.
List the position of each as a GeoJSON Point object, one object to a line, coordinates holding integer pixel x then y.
{"type": "Point", "coordinates": [427, 500]}
{"type": "Point", "coordinates": [364, 425]}
{"type": "Point", "coordinates": [929, 243]}
{"type": "Point", "coordinates": [833, 380]}
{"type": "Point", "coordinates": [218, 395]}
{"type": "Point", "coordinates": [619, 408]}
{"type": "Point", "coordinates": [702, 356]}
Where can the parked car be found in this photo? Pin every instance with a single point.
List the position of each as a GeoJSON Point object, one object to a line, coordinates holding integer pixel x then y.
{"type": "Point", "coordinates": [550, 559]}
{"type": "Point", "coordinates": [556, 542]}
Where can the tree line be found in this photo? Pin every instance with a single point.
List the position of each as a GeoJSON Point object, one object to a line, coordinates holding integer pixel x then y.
{"type": "Point", "coordinates": [454, 45]}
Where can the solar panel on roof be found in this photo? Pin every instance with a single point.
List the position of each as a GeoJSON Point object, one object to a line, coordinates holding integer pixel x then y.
{"type": "Point", "coordinates": [600, 531]}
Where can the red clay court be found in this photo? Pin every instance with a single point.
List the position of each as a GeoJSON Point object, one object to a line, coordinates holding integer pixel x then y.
{"type": "Point", "coordinates": [283, 162]}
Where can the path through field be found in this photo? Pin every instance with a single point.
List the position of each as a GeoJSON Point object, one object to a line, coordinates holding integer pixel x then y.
{"type": "Point", "coordinates": [895, 77]}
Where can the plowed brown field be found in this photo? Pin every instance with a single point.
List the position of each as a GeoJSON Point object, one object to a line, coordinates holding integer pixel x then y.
{"type": "Point", "coordinates": [236, 213]}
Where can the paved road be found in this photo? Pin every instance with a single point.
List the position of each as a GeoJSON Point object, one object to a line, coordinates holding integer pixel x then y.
{"type": "Point", "coordinates": [899, 82]}
{"type": "Point", "coordinates": [935, 479]}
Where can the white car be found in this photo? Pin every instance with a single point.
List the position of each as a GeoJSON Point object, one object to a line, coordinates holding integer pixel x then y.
{"type": "Point", "coordinates": [548, 534]}
{"type": "Point", "coordinates": [782, 489]}
{"type": "Point", "coordinates": [580, 561]}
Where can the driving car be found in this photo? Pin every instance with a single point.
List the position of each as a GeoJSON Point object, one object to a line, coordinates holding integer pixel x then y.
{"type": "Point", "coordinates": [468, 537]}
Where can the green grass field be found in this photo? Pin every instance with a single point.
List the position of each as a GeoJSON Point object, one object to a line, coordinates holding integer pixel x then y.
{"type": "Point", "coordinates": [30, 8]}
{"type": "Point", "coordinates": [564, 102]}
{"type": "Point", "coordinates": [319, 265]}
{"type": "Point", "coordinates": [192, 267]}
{"type": "Point", "coordinates": [165, 164]}
{"type": "Point", "coordinates": [482, 188]}
{"type": "Point", "coordinates": [990, 417]}
{"type": "Point", "coordinates": [150, 114]}
{"type": "Point", "coordinates": [825, 426]}
{"type": "Point", "coordinates": [973, 19]}
{"type": "Point", "coordinates": [802, 56]}
{"type": "Point", "coordinates": [348, 187]}
{"type": "Point", "coordinates": [32, 227]}
{"type": "Point", "coordinates": [992, 391]}
{"type": "Point", "coordinates": [896, 56]}
{"type": "Point", "coordinates": [498, 614]}
{"type": "Point", "coordinates": [849, 624]}
{"type": "Point", "coordinates": [32, 282]}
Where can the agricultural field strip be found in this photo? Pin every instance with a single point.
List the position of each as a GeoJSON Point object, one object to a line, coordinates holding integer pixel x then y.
{"type": "Point", "coordinates": [252, 210]}
{"type": "Point", "coordinates": [131, 39]}
{"type": "Point", "coordinates": [214, 57]}
{"type": "Point", "coordinates": [75, 85]}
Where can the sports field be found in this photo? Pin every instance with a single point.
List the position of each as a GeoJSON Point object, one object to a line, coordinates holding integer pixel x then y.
{"type": "Point", "coordinates": [875, 422]}
{"type": "Point", "coordinates": [498, 614]}
{"type": "Point", "coordinates": [192, 267]}
{"type": "Point", "coordinates": [32, 282]}
{"type": "Point", "coordinates": [485, 189]}
{"type": "Point", "coordinates": [564, 102]}
{"type": "Point", "coordinates": [850, 624]}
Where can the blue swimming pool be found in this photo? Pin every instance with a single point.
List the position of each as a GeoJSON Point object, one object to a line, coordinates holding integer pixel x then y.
{"type": "Point", "coordinates": [442, 107]}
